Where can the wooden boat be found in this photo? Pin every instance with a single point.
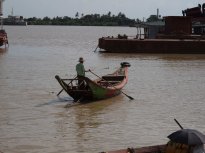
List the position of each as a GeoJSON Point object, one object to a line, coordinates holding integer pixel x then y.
{"type": "Point", "coordinates": [3, 37]}
{"type": "Point", "coordinates": [105, 87]}
{"type": "Point", "coordinates": [181, 141]}
{"type": "Point", "coordinates": [170, 147]}
{"type": "Point", "coordinates": [148, 149]}
{"type": "Point", "coordinates": [3, 34]}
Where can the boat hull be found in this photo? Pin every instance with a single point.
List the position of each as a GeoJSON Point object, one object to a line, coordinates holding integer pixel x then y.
{"type": "Point", "coordinates": [160, 46]}
{"type": "Point", "coordinates": [3, 38]}
{"type": "Point", "coordinates": [106, 87]}
{"type": "Point", "coordinates": [99, 92]}
{"type": "Point", "coordinates": [148, 149]}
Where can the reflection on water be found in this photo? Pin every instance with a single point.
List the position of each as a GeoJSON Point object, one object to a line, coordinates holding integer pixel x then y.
{"type": "Point", "coordinates": [68, 100]}
{"type": "Point", "coordinates": [3, 50]}
{"type": "Point", "coordinates": [33, 118]}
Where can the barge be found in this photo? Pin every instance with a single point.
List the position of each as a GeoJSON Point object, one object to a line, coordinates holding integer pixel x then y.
{"type": "Point", "coordinates": [176, 34]}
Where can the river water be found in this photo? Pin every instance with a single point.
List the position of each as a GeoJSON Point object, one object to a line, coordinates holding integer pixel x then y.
{"type": "Point", "coordinates": [33, 119]}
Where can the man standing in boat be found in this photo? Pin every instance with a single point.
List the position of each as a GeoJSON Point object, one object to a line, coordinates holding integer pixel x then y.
{"type": "Point", "coordinates": [81, 73]}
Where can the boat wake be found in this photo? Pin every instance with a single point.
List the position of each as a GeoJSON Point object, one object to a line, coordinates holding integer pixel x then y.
{"type": "Point", "coordinates": [57, 101]}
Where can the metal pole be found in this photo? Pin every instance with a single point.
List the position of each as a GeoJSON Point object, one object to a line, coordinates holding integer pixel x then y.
{"type": "Point", "coordinates": [178, 124]}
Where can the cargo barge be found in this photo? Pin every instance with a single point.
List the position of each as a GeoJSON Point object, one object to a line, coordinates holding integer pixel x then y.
{"type": "Point", "coordinates": [176, 34]}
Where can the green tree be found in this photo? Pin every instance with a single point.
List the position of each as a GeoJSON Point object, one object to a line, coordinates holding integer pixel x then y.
{"type": "Point", "coordinates": [86, 20]}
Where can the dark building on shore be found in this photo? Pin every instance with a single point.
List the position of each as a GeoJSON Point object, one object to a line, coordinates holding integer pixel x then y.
{"type": "Point", "coordinates": [14, 20]}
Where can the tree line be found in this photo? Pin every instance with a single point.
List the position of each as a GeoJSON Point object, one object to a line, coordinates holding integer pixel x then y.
{"type": "Point", "coordinates": [86, 20]}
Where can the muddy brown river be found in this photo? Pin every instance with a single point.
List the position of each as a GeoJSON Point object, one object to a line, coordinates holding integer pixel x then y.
{"type": "Point", "coordinates": [33, 119]}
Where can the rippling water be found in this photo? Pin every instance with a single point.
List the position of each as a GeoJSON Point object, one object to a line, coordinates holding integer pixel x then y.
{"type": "Point", "coordinates": [33, 119]}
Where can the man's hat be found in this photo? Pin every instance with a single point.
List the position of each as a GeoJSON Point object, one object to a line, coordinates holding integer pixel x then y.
{"type": "Point", "coordinates": [81, 59]}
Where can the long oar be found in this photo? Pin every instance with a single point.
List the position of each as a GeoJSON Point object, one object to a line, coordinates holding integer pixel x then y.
{"type": "Point", "coordinates": [96, 48]}
{"type": "Point", "coordinates": [63, 89]}
{"type": "Point", "coordinates": [178, 124]}
{"type": "Point", "coordinates": [112, 85]}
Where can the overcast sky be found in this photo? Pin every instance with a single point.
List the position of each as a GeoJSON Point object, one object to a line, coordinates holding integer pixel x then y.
{"type": "Point", "coordinates": [131, 8]}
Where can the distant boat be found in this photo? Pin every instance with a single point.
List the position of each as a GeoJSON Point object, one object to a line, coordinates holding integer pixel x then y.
{"type": "Point", "coordinates": [106, 87]}
{"type": "Point", "coordinates": [3, 34]}
{"type": "Point", "coordinates": [14, 20]}
{"type": "Point", "coordinates": [3, 37]}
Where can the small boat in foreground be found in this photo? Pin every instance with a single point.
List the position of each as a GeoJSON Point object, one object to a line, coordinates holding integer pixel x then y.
{"type": "Point", "coordinates": [181, 141]}
{"type": "Point", "coordinates": [3, 34]}
{"type": "Point", "coordinates": [148, 149]}
{"type": "Point", "coordinates": [106, 86]}
{"type": "Point", "coordinates": [3, 37]}
{"type": "Point", "coordinates": [170, 147]}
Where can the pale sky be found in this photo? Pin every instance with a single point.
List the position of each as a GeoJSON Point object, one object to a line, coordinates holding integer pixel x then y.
{"type": "Point", "coordinates": [133, 9]}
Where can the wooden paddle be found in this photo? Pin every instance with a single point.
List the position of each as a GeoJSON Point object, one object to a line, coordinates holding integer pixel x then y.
{"type": "Point", "coordinates": [67, 84]}
{"type": "Point", "coordinates": [96, 48]}
{"type": "Point", "coordinates": [111, 85]}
